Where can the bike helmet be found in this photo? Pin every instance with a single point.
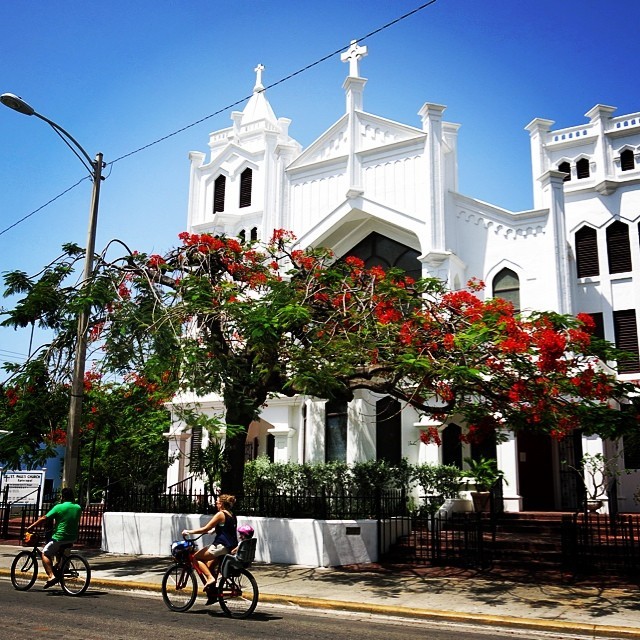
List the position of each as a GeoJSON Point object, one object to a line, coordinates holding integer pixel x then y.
{"type": "Point", "coordinates": [245, 531]}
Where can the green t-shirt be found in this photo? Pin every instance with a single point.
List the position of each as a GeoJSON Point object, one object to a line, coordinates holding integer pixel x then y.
{"type": "Point", "coordinates": [66, 516]}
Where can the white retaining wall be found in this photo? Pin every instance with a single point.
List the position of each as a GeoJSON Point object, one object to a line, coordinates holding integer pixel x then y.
{"type": "Point", "coordinates": [314, 543]}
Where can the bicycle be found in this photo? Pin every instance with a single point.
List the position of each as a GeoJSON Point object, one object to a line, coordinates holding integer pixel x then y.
{"type": "Point", "coordinates": [72, 569]}
{"type": "Point", "coordinates": [237, 589]}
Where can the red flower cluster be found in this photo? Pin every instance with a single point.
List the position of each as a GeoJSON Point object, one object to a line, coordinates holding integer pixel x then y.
{"type": "Point", "coordinates": [90, 377]}
{"type": "Point", "coordinates": [430, 435]}
{"type": "Point", "coordinates": [387, 313]}
{"type": "Point", "coordinates": [12, 396]}
{"type": "Point", "coordinates": [156, 261]}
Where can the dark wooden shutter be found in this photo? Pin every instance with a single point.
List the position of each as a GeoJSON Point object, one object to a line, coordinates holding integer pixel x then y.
{"type": "Point", "coordinates": [598, 320]}
{"type": "Point", "coordinates": [582, 168]}
{"type": "Point", "coordinates": [565, 167]}
{"type": "Point", "coordinates": [196, 442]}
{"type": "Point", "coordinates": [618, 247]}
{"type": "Point", "coordinates": [626, 332]}
{"type": "Point", "coordinates": [627, 162]}
{"type": "Point", "coordinates": [587, 252]}
{"type": "Point", "coordinates": [246, 178]}
{"type": "Point", "coordinates": [218, 193]}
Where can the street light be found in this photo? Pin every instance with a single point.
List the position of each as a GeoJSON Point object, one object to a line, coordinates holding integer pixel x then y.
{"type": "Point", "coordinates": [94, 167]}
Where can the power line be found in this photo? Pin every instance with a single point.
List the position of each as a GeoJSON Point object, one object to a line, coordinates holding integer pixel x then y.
{"type": "Point", "coordinates": [229, 106]}
{"type": "Point", "coordinates": [46, 204]}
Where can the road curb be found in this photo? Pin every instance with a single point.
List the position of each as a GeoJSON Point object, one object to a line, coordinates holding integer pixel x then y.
{"type": "Point", "coordinates": [305, 602]}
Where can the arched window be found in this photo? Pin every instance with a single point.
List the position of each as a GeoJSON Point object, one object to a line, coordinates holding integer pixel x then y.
{"type": "Point", "coordinates": [246, 178]}
{"type": "Point", "coordinates": [219, 186]}
{"type": "Point", "coordinates": [254, 234]}
{"type": "Point", "coordinates": [618, 247]}
{"type": "Point", "coordinates": [627, 162]}
{"type": "Point", "coordinates": [335, 432]}
{"type": "Point", "coordinates": [587, 252]}
{"type": "Point", "coordinates": [582, 168]}
{"type": "Point", "coordinates": [565, 167]}
{"type": "Point", "coordinates": [506, 285]}
{"type": "Point", "coordinates": [242, 236]}
{"type": "Point", "coordinates": [377, 251]}
{"type": "Point", "coordinates": [388, 430]}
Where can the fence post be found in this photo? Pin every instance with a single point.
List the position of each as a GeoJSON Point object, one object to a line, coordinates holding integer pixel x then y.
{"type": "Point", "coordinates": [7, 509]}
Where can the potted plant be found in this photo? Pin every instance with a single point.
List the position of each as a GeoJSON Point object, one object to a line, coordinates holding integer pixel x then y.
{"type": "Point", "coordinates": [485, 473]}
{"type": "Point", "coordinates": [596, 472]}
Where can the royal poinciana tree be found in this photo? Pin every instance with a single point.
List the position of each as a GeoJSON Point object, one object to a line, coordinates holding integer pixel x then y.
{"type": "Point", "coordinates": [249, 320]}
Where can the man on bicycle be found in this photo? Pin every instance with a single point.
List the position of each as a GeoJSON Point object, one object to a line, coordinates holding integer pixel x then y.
{"type": "Point", "coordinates": [66, 519]}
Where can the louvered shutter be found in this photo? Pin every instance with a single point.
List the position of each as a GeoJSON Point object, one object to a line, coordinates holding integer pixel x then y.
{"type": "Point", "coordinates": [587, 253]}
{"type": "Point", "coordinates": [246, 178]}
{"type": "Point", "coordinates": [218, 193]}
{"type": "Point", "coordinates": [626, 332]}
{"type": "Point", "coordinates": [618, 247]}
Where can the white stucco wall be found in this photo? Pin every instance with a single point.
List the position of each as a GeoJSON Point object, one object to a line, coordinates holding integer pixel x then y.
{"type": "Point", "coordinates": [314, 543]}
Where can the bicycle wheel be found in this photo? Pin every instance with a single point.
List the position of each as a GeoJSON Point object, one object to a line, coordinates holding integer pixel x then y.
{"type": "Point", "coordinates": [75, 575]}
{"type": "Point", "coordinates": [24, 570]}
{"type": "Point", "coordinates": [238, 595]}
{"type": "Point", "coordinates": [179, 587]}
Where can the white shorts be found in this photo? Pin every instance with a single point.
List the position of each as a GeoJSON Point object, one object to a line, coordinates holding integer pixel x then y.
{"type": "Point", "coordinates": [53, 548]}
{"type": "Point", "coordinates": [218, 550]}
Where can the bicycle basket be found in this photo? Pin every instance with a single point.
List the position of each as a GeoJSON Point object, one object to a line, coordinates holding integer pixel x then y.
{"type": "Point", "coordinates": [180, 549]}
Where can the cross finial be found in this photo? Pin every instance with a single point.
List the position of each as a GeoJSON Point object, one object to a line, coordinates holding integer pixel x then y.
{"type": "Point", "coordinates": [353, 55]}
{"type": "Point", "coordinates": [259, 86]}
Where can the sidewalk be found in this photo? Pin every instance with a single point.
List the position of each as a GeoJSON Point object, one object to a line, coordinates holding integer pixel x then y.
{"type": "Point", "coordinates": [440, 594]}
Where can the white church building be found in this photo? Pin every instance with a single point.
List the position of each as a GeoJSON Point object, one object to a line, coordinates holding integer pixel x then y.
{"type": "Point", "coordinates": [388, 193]}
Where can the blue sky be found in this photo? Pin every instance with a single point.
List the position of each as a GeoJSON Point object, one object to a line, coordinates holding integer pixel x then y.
{"type": "Point", "coordinates": [119, 75]}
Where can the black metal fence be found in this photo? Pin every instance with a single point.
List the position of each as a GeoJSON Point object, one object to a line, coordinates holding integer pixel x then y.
{"type": "Point", "coordinates": [322, 504]}
{"type": "Point", "coordinates": [14, 520]}
{"type": "Point", "coordinates": [601, 543]}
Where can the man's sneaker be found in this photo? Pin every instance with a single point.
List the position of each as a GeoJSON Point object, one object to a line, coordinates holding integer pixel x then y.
{"type": "Point", "coordinates": [51, 582]}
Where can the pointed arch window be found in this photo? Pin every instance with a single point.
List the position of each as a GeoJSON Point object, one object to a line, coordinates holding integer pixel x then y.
{"type": "Point", "coordinates": [627, 161]}
{"type": "Point", "coordinates": [506, 285]}
{"type": "Point", "coordinates": [587, 252]}
{"type": "Point", "coordinates": [582, 168]}
{"type": "Point", "coordinates": [565, 167]}
{"type": "Point", "coordinates": [335, 432]}
{"type": "Point", "coordinates": [618, 247]}
{"type": "Point", "coordinates": [219, 186]}
{"type": "Point", "coordinates": [377, 250]}
{"type": "Point", "coordinates": [254, 234]}
{"type": "Point", "coordinates": [246, 178]}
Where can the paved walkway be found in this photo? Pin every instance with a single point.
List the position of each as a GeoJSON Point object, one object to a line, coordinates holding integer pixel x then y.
{"type": "Point", "coordinates": [445, 595]}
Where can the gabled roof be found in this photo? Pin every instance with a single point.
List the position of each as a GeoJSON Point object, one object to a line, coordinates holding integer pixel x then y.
{"type": "Point", "coordinates": [372, 132]}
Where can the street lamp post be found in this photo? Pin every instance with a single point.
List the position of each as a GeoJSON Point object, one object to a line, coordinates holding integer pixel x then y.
{"type": "Point", "coordinates": [94, 167]}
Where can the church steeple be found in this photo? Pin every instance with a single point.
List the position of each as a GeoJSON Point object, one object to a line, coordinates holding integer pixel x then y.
{"type": "Point", "coordinates": [258, 107]}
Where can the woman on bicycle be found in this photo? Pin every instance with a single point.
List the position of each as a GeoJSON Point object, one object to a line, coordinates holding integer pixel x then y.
{"type": "Point", "coordinates": [226, 538]}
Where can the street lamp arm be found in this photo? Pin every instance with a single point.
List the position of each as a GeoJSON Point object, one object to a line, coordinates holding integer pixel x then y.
{"type": "Point", "coordinates": [67, 138]}
{"type": "Point", "coordinates": [18, 104]}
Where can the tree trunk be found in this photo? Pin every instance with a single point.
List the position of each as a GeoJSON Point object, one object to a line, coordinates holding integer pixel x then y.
{"type": "Point", "coordinates": [232, 475]}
